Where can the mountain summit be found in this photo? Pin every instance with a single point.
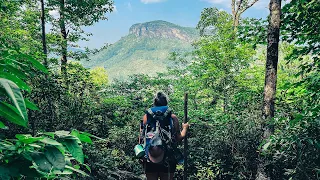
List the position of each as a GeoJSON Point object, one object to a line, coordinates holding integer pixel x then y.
{"type": "Point", "coordinates": [144, 50]}
{"type": "Point", "coordinates": [162, 29]}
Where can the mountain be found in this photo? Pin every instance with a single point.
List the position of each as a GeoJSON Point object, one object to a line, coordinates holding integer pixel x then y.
{"type": "Point", "coordinates": [144, 50]}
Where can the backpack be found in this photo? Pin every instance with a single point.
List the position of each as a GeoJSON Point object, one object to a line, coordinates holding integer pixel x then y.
{"type": "Point", "coordinates": [159, 131]}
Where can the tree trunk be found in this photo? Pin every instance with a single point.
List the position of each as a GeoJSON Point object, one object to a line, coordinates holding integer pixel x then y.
{"type": "Point", "coordinates": [45, 60]}
{"type": "Point", "coordinates": [64, 43]}
{"type": "Point", "coordinates": [272, 62]}
{"type": "Point", "coordinates": [236, 21]}
{"type": "Point", "coordinates": [43, 28]}
{"type": "Point", "coordinates": [270, 77]}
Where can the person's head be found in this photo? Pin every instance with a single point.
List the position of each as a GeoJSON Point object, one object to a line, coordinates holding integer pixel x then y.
{"type": "Point", "coordinates": [160, 99]}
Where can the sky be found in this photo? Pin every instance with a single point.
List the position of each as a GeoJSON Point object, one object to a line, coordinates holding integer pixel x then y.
{"type": "Point", "coordinates": [180, 12]}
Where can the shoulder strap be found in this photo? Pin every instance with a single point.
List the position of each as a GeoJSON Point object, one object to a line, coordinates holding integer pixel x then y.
{"type": "Point", "coordinates": [168, 112]}
{"type": "Point", "coordinates": [149, 112]}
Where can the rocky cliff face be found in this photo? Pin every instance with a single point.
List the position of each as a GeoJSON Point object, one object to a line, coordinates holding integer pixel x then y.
{"type": "Point", "coordinates": [160, 29]}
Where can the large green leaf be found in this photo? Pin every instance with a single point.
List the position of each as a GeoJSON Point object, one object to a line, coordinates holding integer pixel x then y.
{"type": "Point", "coordinates": [21, 84]}
{"type": "Point", "coordinates": [55, 157]}
{"type": "Point", "coordinates": [15, 95]}
{"type": "Point", "coordinates": [41, 161]}
{"type": "Point", "coordinates": [64, 172]}
{"type": "Point", "coordinates": [13, 70]}
{"type": "Point", "coordinates": [54, 143]}
{"type": "Point", "coordinates": [30, 105]}
{"type": "Point", "coordinates": [35, 63]}
{"type": "Point", "coordinates": [51, 142]}
{"type": "Point", "coordinates": [22, 167]}
{"type": "Point", "coordinates": [84, 137]}
{"type": "Point", "coordinates": [27, 138]}
{"type": "Point", "coordinates": [2, 126]}
{"type": "Point", "coordinates": [77, 170]}
{"type": "Point", "coordinates": [51, 134]}
{"type": "Point", "coordinates": [62, 134]}
{"type": "Point", "coordinates": [75, 149]}
{"type": "Point", "coordinates": [11, 114]}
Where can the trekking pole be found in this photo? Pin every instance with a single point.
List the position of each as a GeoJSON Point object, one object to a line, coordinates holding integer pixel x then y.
{"type": "Point", "coordinates": [185, 146]}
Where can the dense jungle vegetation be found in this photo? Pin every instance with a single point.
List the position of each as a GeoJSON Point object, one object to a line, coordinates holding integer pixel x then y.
{"type": "Point", "coordinates": [254, 112]}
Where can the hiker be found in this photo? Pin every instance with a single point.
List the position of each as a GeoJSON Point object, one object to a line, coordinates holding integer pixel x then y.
{"type": "Point", "coordinates": [160, 133]}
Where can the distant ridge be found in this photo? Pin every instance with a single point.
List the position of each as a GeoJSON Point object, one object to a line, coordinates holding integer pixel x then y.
{"type": "Point", "coordinates": [163, 29]}
{"type": "Point", "coordinates": [144, 50]}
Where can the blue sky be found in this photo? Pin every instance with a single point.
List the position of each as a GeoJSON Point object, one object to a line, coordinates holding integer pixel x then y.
{"type": "Point", "coordinates": [181, 12]}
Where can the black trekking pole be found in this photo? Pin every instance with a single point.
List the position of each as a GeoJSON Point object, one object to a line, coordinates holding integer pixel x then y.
{"type": "Point", "coordinates": [185, 147]}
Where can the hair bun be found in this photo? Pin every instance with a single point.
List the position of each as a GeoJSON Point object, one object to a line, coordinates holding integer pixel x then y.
{"type": "Point", "coordinates": [160, 99]}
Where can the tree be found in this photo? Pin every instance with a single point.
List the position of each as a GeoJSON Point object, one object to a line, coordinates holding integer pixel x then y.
{"type": "Point", "coordinates": [270, 75]}
{"type": "Point", "coordinates": [271, 62]}
{"type": "Point", "coordinates": [238, 7]}
{"type": "Point", "coordinates": [43, 28]}
{"type": "Point", "coordinates": [220, 59]}
{"type": "Point", "coordinates": [99, 76]}
{"type": "Point", "coordinates": [73, 15]}
{"type": "Point", "coordinates": [297, 114]}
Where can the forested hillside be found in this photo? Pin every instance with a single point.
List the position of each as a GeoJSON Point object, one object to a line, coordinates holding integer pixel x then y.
{"type": "Point", "coordinates": [253, 88]}
{"type": "Point", "coordinates": [145, 50]}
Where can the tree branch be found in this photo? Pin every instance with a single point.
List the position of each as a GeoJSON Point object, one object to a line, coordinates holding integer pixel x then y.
{"type": "Point", "coordinates": [232, 6]}
{"type": "Point", "coordinates": [253, 2]}
{"type": "Point", "coordinates": [237, 10]}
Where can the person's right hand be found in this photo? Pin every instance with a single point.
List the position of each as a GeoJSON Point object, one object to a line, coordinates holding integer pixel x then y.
{"type": "Point", "coordinates": [185, 125]}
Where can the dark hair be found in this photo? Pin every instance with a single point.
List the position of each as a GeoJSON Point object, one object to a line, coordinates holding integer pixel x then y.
{"type": "Point", "coordinates": [160, 99]}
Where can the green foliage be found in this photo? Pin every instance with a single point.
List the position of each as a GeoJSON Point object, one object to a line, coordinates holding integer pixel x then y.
{"type": "Point", "coordinates": [300, 19]}
{"type": "Point", "coordinates": [14, 66]}
{"type": "Point", "coordinates": [83, 13]}
{"type": "Point", "coordinates": [47, 156]}
{"type": "Point", "coordinates": [219, 59]}
{"type": "Point", "coordinates": [50, 157]}
{"type": "Point", "coordinates": [253, 31]}
{"type": "Point", "coordinates": [99, 76]}
{"type": "Point", "coordinates": [13, 92]}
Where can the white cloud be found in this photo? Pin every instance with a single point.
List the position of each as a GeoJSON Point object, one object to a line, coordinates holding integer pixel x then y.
{"type": "Point", "coordinates": [151, 1]}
